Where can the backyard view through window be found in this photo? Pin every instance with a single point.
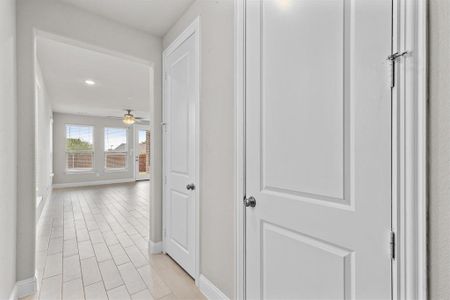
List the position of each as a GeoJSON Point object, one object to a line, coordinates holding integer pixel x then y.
{"type": "Point", "coordinates": [116, 148]}
{"type": "Point", "coordinates": [144, 153]}
{"type": "Point", "coordinates": [79, 148]}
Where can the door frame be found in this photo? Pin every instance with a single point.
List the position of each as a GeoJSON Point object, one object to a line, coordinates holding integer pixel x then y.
{"type": "Point", "coordinates": [191, 30]}
{"type": "Point", "coordinates": [409, 195]}
{"type": "Point", "coordinates": [136, 128]}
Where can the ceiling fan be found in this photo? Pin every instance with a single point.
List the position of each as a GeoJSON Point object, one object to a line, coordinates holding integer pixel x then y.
{"type": "Point", "coordinates": [128, 118]}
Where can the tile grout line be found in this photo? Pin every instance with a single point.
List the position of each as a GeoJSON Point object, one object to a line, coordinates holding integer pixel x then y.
{"type": "Point", "coordinates": [98, 267]}
{"type": "Point", "coordinates": [110, 212]}
{"type": "Point", "coordinates": [79, 257]}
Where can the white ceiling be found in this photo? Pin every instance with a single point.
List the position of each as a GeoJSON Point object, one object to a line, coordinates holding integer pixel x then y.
{"type": "Point", "coordinates": [153, 16]}
{"type": "Point", "coordinates": [120, 83]}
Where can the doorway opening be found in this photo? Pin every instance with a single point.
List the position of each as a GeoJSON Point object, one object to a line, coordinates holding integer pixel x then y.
{"type": "Point", "coordinates": [93, 158]}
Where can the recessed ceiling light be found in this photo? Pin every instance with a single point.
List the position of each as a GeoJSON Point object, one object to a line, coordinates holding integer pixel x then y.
{"type": "Point", "coordinates": [89, 82]}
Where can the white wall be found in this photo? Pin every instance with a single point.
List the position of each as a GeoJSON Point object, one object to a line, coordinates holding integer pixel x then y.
{"type": "Point", "coordinates": [99, 173]}
{"type": "Point", "coordinates": [439, 149]}
{"type": "Point", "coordinates": [65, 20]}
{"type": "Point", "coordinates": [43, 144]}
{"type": "Point", "coordinates": [217, 137]}
{"type": "Point", "coordinates": [8, 149]}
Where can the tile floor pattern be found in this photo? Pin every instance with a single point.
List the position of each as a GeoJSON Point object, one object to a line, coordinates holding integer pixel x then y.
{"type": "Point", "coordinates": [91, 244]}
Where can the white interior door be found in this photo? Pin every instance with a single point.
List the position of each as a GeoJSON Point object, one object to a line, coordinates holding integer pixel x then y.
{"type": "Point", "coordinates": [318, 149]}
{"type": "Point", "coordinates": [180, 153]}
{"type": "Point", "coordinates": [142, 151]}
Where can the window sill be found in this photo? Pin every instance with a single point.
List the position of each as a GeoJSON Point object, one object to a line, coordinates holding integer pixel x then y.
{"type": "Point", "coordinates": [67, 172]}
{"type": "Point", "coordinates": [116, 170]}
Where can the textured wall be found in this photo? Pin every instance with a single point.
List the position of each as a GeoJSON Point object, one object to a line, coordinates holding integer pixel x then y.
{"type": "Point", "coordinates": [216, 136]}
{"type": "Point", "coordinates": [43, 144]}
{"type": "Point", "coordinates": [8, 150]}
{"type": "Point", "coordinates": [439, 147]}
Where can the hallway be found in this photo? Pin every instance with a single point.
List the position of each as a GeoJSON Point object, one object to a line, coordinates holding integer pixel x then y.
{"type": "Point", "coordinates": [92, 244]}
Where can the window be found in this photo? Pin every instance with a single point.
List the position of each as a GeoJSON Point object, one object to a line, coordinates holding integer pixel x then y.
{"type": "Point", "coordinates": [116, 148]}
{"type": "Point", "coordinates": [79, 148]}
{"type": "Point", "coordinates": [51, 146]}
{"type": "Point", "coordinates": [144, 152]}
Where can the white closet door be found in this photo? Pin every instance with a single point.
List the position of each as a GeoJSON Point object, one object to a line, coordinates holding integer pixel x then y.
{"type": "Point", "coordinates": [318, 149]}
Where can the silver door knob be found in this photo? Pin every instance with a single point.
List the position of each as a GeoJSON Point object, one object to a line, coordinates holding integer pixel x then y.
{"type": "Point", "coordinates": [190, 187]}
{"type": "Point", "coordinates": [250, 201]}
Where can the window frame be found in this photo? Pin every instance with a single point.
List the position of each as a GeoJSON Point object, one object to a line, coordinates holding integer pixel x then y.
{"type": "Point", "coordinates": [126, 153]}
{"type": "Point", "coordinates": [79, 171]}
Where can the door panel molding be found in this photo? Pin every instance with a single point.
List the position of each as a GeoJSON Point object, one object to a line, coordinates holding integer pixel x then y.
{"type": "Point", "coordinates": [340, 263]}
{"type": "Point", "coordinates": [328, 49]}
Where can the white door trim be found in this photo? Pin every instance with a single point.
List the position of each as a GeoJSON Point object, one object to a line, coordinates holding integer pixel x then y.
{"type": "Point", "coordinates": [192, 29]}
{"type": "Point", "coordinates": [239, 116]}
{"type": "Point", "coordinates": [410, 150]}
{"type": "Point", "coordinates": [409, 220]}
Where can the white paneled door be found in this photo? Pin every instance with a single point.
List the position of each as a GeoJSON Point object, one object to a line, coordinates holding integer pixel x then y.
{"type": "Point", "coordinates": [180, 113]}
{"type": "Point", "coordinates": [318, 149]}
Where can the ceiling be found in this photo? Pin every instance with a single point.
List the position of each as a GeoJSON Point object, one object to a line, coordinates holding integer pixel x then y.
{"type": "Point", "coordinates": [120, 83]}
{"type": "Point", "coordinates": [153, 16]}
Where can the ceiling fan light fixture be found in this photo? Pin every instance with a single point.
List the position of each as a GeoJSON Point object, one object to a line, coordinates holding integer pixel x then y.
{"type": "Point", "coordinates": [128, 118]}
{"type": "Point", "coordinates": [89, 82]}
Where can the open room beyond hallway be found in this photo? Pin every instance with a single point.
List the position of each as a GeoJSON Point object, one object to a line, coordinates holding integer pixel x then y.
{"type": "Point", "coordinates": [91, 244]}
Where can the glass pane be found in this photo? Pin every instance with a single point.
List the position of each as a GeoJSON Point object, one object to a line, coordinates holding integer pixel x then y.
{"type": "Point", "coordinates": [116, 139]}
{"type": "Point", "coordinates": [142, 136]}
{"type": "Point", "coordinates": [144, 152]}
{"type": "Point", "coordinates": [79, 161]}
{"type": "Point", "coordinates": [116, 160]}
{"type": "Point", "coordinates": [116, 148]}
{"type": "Point", "coordinates": [79, 138]}
{"type": "Point", "coordinates": [79, 147]}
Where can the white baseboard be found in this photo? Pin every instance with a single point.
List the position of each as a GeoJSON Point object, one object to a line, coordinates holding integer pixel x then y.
{"type": "Point", "coordinates": [39, 200]}
{"type": "Point", "coordinates": [210, 290]}
{"type": "Point", "coordinates": [41, 210]}
{"type": "Point", "coordinates": [155, 248]}
{"type": "Point", "coordinates": [91, 183]}
{"type": "Point", "coordinates": [40, 207]}
{"type": "Point", "coordinates": [13, 295]}
{"type": "Point", "coordinates": [23, 288]}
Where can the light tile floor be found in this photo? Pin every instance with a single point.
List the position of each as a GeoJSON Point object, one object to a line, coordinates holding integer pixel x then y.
{"type": "Point", "coordinates": [92, 244]}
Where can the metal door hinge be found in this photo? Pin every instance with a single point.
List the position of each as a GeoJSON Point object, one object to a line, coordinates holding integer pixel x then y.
{"type": "Point", "coordinates": [164, 127]}
{"type": "Point", "coordinates": [393, 58]}
{"type": "Point", "coordinates": [396, 55]}
{"type": "Point", "coordinates": [393, 245]}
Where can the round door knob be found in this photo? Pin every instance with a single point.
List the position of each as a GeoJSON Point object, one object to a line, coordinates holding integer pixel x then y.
{"type": "Point", "coordinates": [190, 187]}
{"type": "Point", "coordinates": [250, 201]}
